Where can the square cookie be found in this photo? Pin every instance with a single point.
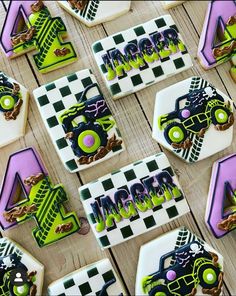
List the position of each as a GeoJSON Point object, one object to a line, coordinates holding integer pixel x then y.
{"type": "Point", "coordinates": [193, 119]}
{"type": "Point", "coordinates": [179, 263]}
{"type": "Point", "coordinates": [13, 109]}
{"type": "Point", "coordinates": [94, 12]}
{"type": "Point", "coordinates": [133, 200]}
{"type": "Point", "coordinates": [221, 204]}
{"type": "Point", "coordinates": [140, 56]}
{"type": "Point", "coordinates": [78, 120]}
{"type": "Point", "coordinates": [98, 279]}
{"type": "Point", "coordinates": [21, 273]}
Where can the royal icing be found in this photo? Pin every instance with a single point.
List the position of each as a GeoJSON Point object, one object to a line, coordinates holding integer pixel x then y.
{"type": "Point", "coordinates": [133, 200]}
{"type": "Point", "coordinates": [78, 120]}
{"type": "Point", "coordinates": [217, 42]}
{"type": "Point", "coordinates": [140, 56]}
{"type": "Point", "coordinates": [20, 273]}
{"type": "Point", "coordinates": [98, 279]}
{"type": "Point", "coordinates": [29, 25]}
{"type": "Point", "coordinates": [196, 120]}
{"type": "Point", "coordinates": [179, 263]}
{"type": "Point", "coordinates": [95, 12]}
{"type": "Point", "coordinates": [27, 192]}
{"type": "Point", "coordinates": [13, 109]}
{"type": "Point", "coordinates": [171, 3]}
{"type": "Point", "coordinates": [221, 204]}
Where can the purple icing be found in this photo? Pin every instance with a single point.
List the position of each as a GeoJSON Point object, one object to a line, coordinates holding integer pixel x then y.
{"type": "Point", "coordinates": [22, 165]}
{"type": "Point", "coordinates": [216, 10]}
{"type": "Point", "coordinates": [88, 141]}
{"type": "Point", "coordinates": [171, 275]}
{"type": "Point", "coordinates": [185, 113]}
{"type": "Point", "coordinates": [13, 11]}
{"type": "Point", "coordinates": [223, 170]}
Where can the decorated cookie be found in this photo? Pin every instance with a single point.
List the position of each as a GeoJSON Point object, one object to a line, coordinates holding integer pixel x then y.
{"type": "Point", "coordinates": [20, 273]}
{"type": "Point", "coordinates": [94, 12]}
{"type": "Point", "coordinates": [78, 120]}
{"type": "Point", "coordinates": [98, 279]}
{"type": "Point", "coordinates": [179, 263]}
{"type": "Point", "coordinates": [13, 109]}
{"type": "Point", "coordinates": [28, 193]}
{"type": "Point", "coordinates": [195, 121]}
{"type": "Point", "coordinates": [171, 3]}
{"type": "Point", "coordinates": [28, 26]}
{"type": "Point", "coordinates": [217, 42]}
{"type": "Point", "coordinates": [133, 200]}
{"type": "Point", "coordinates": [221, 204]}
{"type": "Point", "coordinates": [133, 59]}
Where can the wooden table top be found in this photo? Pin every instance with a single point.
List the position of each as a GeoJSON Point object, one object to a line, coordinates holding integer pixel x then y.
{"type": "Point", "coordinates": [134, 115]}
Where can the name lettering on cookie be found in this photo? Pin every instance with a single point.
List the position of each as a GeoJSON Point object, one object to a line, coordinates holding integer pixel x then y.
{"type": "Point", "coordinates": [218, 39]}
{"type": "Point", "coordinates": [153, 192]}
{"type": "Point", "coordinates": [29, 25]}
{"type": "Point", "coordinates": [27, 192]}
{"type": "Point", "coordinates": [138, 54]}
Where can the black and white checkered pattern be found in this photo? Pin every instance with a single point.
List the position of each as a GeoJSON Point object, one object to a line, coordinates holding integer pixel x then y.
{"type": "Point", "coordinates": [89, 280]}
{"type": "Point", "coordinates": [56, 97]}
{"type": "Point", "coordinates": [137, 79]}
{"type": "Point", "coordinates": [124, 178]}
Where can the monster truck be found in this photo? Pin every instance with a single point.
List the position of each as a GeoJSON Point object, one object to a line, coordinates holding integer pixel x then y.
{"type": "Point", "coordinates": [193, 266]}
{"type": "Point", "coordinates": [201, 108]}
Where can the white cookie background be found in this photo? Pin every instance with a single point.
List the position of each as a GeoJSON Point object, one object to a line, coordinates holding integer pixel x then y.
{"type": "Point", "coordinates": [96, 11]}
{"type": "Point", "coordinates": [151, 252]}
{"type": "Point", "coordinates": [12, 130]}
{"type": "Point", "coordinates": [165, 103]}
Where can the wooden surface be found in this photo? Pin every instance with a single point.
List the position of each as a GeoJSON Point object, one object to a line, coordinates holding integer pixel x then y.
{"type": "Point", "coordinates": [134, 115]}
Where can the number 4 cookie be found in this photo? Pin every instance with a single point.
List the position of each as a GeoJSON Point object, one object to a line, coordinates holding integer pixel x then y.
{"type": "Point", "coordinates": [196, 120]}
{"type": "Point", "coordinates": [78, 120]}
{"type": "Point", "coordinates": [218, 38]}
{"type": "Point", "coordinates": [94, 12]}
{"type": "Point", "coordinates": [29, 25]}
{"type": "Point", "coordinates": [13, 109]}
{"type": "Point", "coordinates": [28, 193]}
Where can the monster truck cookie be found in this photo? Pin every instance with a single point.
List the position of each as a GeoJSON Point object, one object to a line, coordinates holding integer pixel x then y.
{"type": "Point", "coordinates": [179, 263]}
{"type": "Point", "coordinates": [133, 200]}
{"type": "Point", "coordinates": [171, 3]}
{"type": "Point", "coordinates": [218, 39]}
{"type": "Point", "coordinates": [28, 26]}
{"type": "Point", "coordinates": [95, 279]}
{"type": "Point", "coordinates": [221, 204]}
{"type": "Point", "coordinates": [190, 116]}
{"type": "Point", "coordinates": [13, 109]}
{"type": "Point", "coordinates": [95, 12]}
{"type": "Point", "coordinates": [78, 120]}
{"type": "Point", "coordinates": [133, 59]}
{"type": "Point", "coordinates": [20, 273]}
{"type": "Point", "coordinates": [28, 193]}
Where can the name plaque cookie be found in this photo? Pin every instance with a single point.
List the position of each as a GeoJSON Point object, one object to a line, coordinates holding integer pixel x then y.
{"type": "Point", "coordinates": [98, 279]}
{"type": "Point", "coordinates": [133, 200]}
{"type": "Point", "coordinates": [133, 59]}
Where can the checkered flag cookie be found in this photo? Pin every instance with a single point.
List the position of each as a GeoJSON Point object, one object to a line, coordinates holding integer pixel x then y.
{"type": "Point", "coordinates": [137, 79]}
{"type": "Point", "coordinates": [54, 99]}
{"type": "Point", "coordinates": [123, 179]}
{"type": "Point", "coordinates": [95, 279]}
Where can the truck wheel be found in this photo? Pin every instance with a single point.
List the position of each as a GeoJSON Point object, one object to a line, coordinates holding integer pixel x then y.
{"type": "Point", "coordinates": [7, 102]}
{"type": "Point", "coordinates": [160, 290]}
{"type": "Point", "coordinates": [220, 115]}
{"type": "Point", "coordinates": [208, 276]}
{"type": "Point", "coordinates": [175, 133]}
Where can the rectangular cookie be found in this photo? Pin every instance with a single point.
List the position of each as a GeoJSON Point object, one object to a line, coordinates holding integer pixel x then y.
{"type": "Point", "coordinates": [140, 56]}
{"type": "Point", "coordinates": [78, 120]}
{"type": "Point", "coordinates": [133, 200]}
